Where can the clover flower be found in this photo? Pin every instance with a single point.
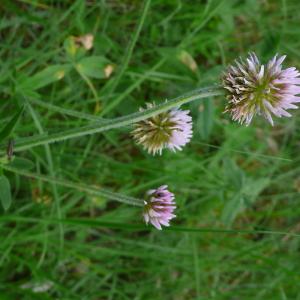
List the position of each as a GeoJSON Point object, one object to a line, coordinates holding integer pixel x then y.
{"type": "Point", "coordinates": [159, 207]}
{"type": "Point", "coordinates": [254, 88]}
{"type": "Point", "coordinates": [171, 130]}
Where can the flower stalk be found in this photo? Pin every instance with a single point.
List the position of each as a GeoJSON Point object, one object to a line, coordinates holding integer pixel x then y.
{"type": "Point", "coordinates": [101, 126]}
{"type": "Point", "coordinates": [89, 189]}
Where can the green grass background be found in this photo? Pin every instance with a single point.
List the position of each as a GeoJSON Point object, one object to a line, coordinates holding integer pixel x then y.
{"type": "Point", "coordinates": [231, 182]}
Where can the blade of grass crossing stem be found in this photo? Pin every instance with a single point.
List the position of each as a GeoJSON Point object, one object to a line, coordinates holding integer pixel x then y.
{"type": "Point", "coordinates": [5, 193]}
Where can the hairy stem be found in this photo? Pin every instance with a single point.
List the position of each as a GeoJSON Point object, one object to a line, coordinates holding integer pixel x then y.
{"type": "Point", "coordinates": [100, 126]}
{"type": "Point", "coordinates": [90, 189]}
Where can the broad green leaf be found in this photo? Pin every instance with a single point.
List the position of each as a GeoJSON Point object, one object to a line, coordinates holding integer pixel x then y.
{"type": "Point", "coordinates": [5, 193]}
{"type": "Point", "coordinates": [22, 163]}
{"type": "Point", "coordinates": [70, 47]}
{"type": "Point", "coordinates": [7, 130]}
{"type": "Point", "coordinates": [93, 66]}
{"type": "Point", "coordinates": [44, 77]}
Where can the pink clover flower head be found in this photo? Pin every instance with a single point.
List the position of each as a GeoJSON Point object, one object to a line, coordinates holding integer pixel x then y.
{"type": "Point", "coordinates": [159, 207]}
{"type": "Point", "coordinates": [168, 130]}
{"type": "Point", "coordinates": [253, 88]}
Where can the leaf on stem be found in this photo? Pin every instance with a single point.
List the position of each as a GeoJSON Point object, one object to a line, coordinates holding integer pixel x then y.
{"type": "Point", "coordinates": [94, 67]}
{"type": "Point", "coordinates": [5, 193]}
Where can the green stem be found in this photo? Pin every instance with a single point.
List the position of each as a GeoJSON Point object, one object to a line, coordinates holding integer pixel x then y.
{"type": "Point", "coordinates": [102, 125]}
{"type": "Point", "coordinates": [93, 190]}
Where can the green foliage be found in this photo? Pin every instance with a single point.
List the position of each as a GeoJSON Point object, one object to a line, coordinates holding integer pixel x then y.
{"type": "Point", "coordinates": [93, 66]}
{"type": "Point", "coordinates": [5, 195]}
{"type": "Point", "coordinates": [242, 191]}
{"type": "Point", "coordinates": [48, 75]}
{"type": "Point", "coordinates": [236, 235]}
{"type": "Point", "coordinates": [205, 121]}
{"type": "Point", "coordinates": [9, 127]}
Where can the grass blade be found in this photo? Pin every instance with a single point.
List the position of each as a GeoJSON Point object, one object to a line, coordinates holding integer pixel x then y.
{"type": "Point", "coordinates": [8, 129]}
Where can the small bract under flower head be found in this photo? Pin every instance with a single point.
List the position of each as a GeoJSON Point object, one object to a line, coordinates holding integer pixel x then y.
{"type": "Point", "coordinates": [159, 207]}
{"type": "Point", "coordinates": [171, 129]}
{"type": "Point", "coordinates": [254, 88]}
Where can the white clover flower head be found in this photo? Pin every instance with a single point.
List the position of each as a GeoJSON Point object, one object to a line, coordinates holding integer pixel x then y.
{"type": "Point", "coordinates": [168, 130]}
{"type": "Point", "coordinates": [254, 88]}
{"type": "Point", "coordinates": [159, 207]}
